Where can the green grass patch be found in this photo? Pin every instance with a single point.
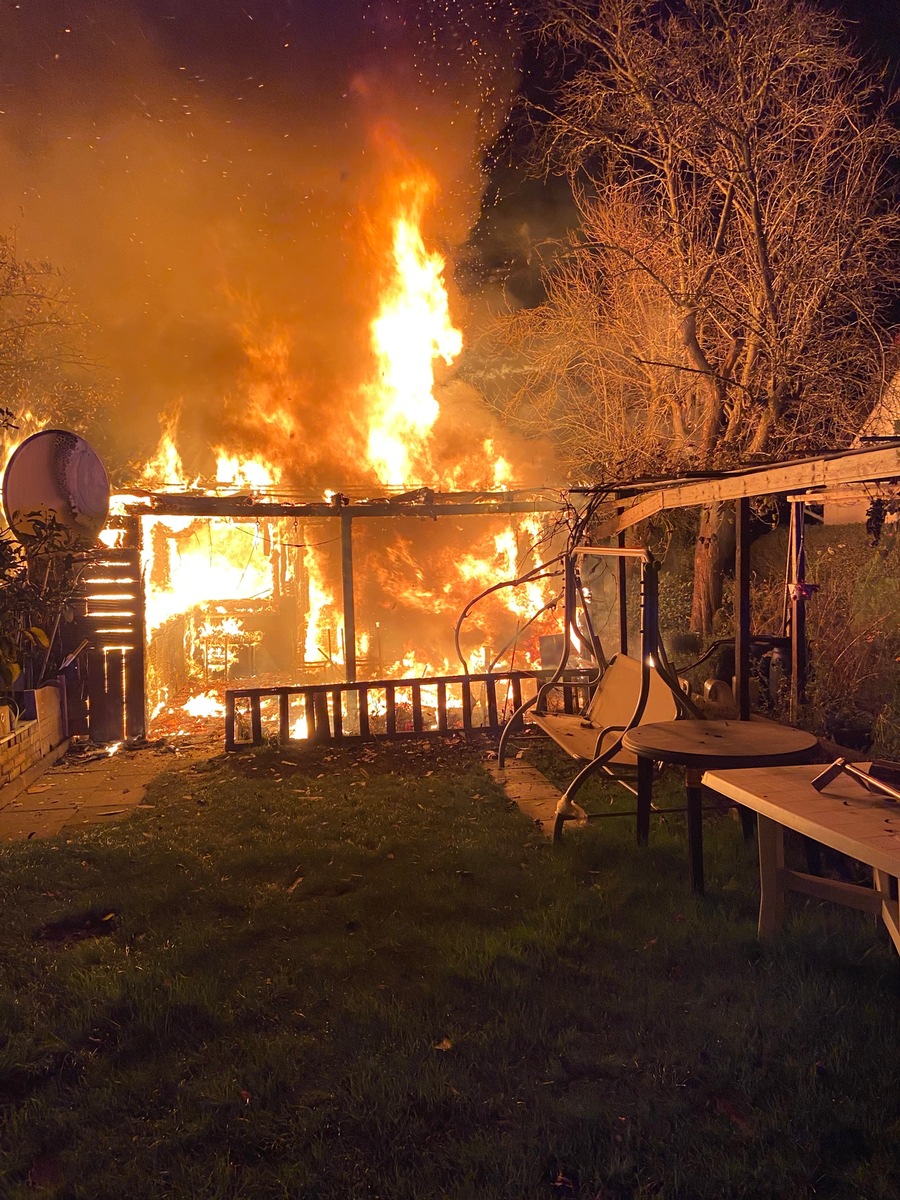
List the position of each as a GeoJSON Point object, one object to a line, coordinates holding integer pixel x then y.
{"type": "Point", "coordinates": [344, 974]}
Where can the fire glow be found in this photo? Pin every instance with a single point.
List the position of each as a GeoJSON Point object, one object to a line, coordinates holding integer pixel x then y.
{"type": "Point", "coordinates": [227, 599]}
{"type": "Point", "coordinates": [413, 329]}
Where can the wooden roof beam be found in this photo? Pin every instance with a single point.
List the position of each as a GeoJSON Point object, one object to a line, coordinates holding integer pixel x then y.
{"type": "Point", "coordinates": [868, 466]}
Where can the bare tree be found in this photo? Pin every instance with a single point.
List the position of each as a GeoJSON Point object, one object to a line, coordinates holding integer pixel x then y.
{"type": "Point", "coordinates": [45, 379]}
{"type": "Point", "coordinates": [44, 373]}
{"type": "Point", "coordinates": [725, 297]}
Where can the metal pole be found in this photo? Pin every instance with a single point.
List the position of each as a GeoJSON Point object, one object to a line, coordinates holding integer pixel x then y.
{"type": "Point", "coordinates": [622, 593]}
{"type": "Point", "coordinates": [798, 612]}
{"type": "Point", "coordinates": [742, 606]}
{"type": "Point", "coordinates": [347, 594]}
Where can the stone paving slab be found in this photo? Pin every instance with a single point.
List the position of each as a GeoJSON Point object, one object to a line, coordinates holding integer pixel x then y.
{"type": "Point", "coordinates": [535, 795]}
{"type": "Point", "coordinates": [17, 827]}
{"type": "Point", "coordinates": [83, 788]}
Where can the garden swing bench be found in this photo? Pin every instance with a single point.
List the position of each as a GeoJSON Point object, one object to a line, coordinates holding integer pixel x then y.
{"type": "Point", "coordinates": [628, 692]}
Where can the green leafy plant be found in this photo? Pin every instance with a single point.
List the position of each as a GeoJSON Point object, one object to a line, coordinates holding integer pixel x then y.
{"type": "Point", "coordinates": [38, 579]}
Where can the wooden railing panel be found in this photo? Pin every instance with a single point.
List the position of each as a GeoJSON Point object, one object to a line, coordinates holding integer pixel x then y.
{"type": "Point", "coordinates": [378, 708]}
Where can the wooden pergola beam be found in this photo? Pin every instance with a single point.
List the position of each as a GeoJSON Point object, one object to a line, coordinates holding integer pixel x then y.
{"type": "Point", "coordinates": [855, 466]}
{"type": "Point", "coordinates": [243, 508]}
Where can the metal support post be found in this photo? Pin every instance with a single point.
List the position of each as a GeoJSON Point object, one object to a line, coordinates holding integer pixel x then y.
{"type": "Point", "coordinates": [742, 607]}
{"type": "Point", "coordinates": [622, 591]}
{"type": "Point", "coordinates": [798, 611]}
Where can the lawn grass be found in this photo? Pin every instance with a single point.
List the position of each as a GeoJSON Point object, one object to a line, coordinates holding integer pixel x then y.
{"type": "Point", "coordinates": [340, 974]}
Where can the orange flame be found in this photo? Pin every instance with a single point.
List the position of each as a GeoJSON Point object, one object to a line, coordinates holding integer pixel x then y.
{"type": "Point", "coordinates": [218, 574]}
{"type": "Point", "coordinates": [412, 329]}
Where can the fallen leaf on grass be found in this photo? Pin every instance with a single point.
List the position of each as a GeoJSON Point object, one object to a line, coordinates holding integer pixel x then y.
{"type": "Point", "coordinates": [731, 1111]}
{"type": "Point", "coordinates": [296, 883]}
{"type": "Point", "coordinates": [443, 1044]}
{"type": "Point", "coordinates": [563, 1185]}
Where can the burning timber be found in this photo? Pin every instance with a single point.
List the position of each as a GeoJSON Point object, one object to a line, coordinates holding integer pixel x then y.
{"type": "Point", "coordinates": [146, 660]}
{"type": "Point", "coordinates": [421, 503]}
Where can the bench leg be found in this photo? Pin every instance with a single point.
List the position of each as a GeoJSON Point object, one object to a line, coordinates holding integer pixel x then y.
{"type": "Point", "coordinates": [695, 826]}
{"type": "Point", "coordinates": [644, 799]}
{"type": "Point", "coordinates": [770, 838]}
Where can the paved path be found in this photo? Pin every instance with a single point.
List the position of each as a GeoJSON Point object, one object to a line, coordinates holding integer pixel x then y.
{"type": "Point", "coordinates": [535, 795]}
{"type": "Point", "coordinates": [92, 785]}
{"type": "Point", "coordinates": [89, 785]}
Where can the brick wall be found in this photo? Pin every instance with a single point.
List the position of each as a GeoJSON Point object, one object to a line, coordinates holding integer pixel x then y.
{"type": "Point", "coordinates": [40, 730]}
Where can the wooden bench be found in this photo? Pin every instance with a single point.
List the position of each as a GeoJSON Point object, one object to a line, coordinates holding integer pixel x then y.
{"type": "Point", "coordinates": [844, 816]}
{"type": "Point", "coordinates": [609, 711]}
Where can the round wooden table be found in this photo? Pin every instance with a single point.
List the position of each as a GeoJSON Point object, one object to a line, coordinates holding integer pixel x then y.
{"type": "Point", "coordinates": [700, 746]}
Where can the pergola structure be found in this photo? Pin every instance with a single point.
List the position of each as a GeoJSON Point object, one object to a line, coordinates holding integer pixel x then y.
{"type": "Point", "coordinates": [116, 660]}
{"type": "Point", "coordinates": [111, 624]}
{"type": "Point", "coordinates": [862, 473]}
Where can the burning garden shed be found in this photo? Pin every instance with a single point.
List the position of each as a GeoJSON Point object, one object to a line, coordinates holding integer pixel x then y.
{"type": "Point", "coordinates": [191, 593]}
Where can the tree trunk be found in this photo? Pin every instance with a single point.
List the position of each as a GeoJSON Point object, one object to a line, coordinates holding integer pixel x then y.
{"type": "Point", "coordinates": [714, 547]}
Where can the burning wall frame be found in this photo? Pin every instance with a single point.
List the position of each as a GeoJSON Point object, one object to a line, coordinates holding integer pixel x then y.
{"type": "Point", "coordinates": [112, 621]}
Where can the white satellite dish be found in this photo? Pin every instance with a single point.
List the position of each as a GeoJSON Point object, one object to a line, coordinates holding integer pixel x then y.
{"type": "Point", "coordinates": [55, 475]}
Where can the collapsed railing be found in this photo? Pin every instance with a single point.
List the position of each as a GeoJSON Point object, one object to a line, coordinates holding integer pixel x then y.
{"type": "Point", "coordinates": [387, 708]}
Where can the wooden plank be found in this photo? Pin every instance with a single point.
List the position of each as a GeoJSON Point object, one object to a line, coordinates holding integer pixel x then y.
{"type": "Point", "coordinates": [229, 721]}
{"type": "Point", "coordinates": [247, 509]}
{"type": "Point", "coordinates": [853, 467]}
{"type": "Point", "coordinates": [890, 908]}
{"type": "Point", "coordinates": [255, 721]}
{"type": "Point", "coordinates": [418, 719]}
{"type": "Point", "coordinates": [851, 895]}
{"type": "Point", "coordinates": [493, 722]}
{"type": "Point", "coordinates": [284, 717]}
{"type": "Point", "coordinates": [770, 839]}
{"type": "Point", "coordinates": [318, 729]}
{"type": "Point", "coordinates": [467, 705]}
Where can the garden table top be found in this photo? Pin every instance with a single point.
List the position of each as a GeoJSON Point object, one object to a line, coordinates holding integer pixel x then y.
{"type": "Point", "coordinates": [731, 743]}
